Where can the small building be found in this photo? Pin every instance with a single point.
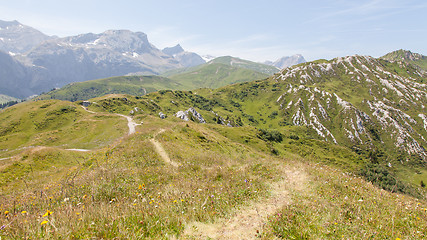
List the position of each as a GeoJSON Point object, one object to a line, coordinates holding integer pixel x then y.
{"type": "Point", "coordinates": [86, 103]}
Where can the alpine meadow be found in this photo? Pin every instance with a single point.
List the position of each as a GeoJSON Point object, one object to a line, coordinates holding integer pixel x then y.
{"type": "Point", "coordinates": [105, 136]}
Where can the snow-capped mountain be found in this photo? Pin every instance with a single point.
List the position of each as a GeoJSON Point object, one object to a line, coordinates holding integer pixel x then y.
{"type": "Point", "coordinates": [288, 61]}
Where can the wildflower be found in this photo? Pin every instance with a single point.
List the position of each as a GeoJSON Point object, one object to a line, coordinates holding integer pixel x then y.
{"type": "Point", "coordinates": [77, 213]}
{"type": "Point", "coordinates": [6, 212]}
{"type": "Point", "coordinates": [47, 213]}
{"type": "Point", "coordinates": [140, 187]}
{"type": "Point", "coordinates": [44, 222]}
{"type": "Point", "coordinates": [84, 196]}
{"type": "Point", "coordinates": [24, 212]}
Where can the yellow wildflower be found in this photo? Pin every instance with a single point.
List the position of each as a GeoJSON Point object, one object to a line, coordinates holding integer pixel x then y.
{"type": "Point", "coordinates": [24, 212]}
{"type": "Point", "coordinates": [44, 222]}
{"type": "Point", "coordinates": [6, 212]}
{"type": "Point", "coordinates": [47, 213]}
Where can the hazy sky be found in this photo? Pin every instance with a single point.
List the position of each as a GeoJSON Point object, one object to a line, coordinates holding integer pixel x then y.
{"type": "Point", "coordinates": [254, 30]}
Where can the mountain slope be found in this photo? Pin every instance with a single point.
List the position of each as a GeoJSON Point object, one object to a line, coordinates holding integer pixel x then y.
{"type": "Point", "coordinates": [134, 85]}
{"type": "Point", "coordinates": [14, 77]}
{"type": "Point", "coordinates": [241, 63]}
{"type": "Point", "coordinates": [219, 180]}
{"type": "Point", "coordinates": [214, 75]}
{"type": "Point", "coordinates": [372, 101]}
{"type": "Point", "coordinates": [54, 123]}
{"type": "Point", "coordinates": [404, 56]}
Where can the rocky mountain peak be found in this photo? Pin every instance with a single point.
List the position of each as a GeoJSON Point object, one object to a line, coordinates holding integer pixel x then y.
{"type": "Point", "coordinates": [18, 38]}
{"type": "Point", "coordinates": [173, 50]}
{"type": "Point", "coordinates": [118, 40]}
{"type": "Point", "coordinates": [402, 55]}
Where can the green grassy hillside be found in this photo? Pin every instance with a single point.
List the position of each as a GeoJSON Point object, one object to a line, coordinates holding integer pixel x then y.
{"type": "Point", "coordinates": [134, 85]}
{"type": "Point", "coordinates": [187, 180]}
{"type": "Point", "coordinates": [55, 123]}
{"type": "Point", "coordinates": [322, 150]}
{"type": "Point", "coordinates": [214, 75]}
{"type": "Point", "coordinates": [230, 61]}
{"type": "Point", "coordinates": [241, 63]}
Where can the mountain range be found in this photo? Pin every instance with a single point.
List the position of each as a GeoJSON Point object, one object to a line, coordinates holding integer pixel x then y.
{"type": "Point", "coordinates": [38, 63]}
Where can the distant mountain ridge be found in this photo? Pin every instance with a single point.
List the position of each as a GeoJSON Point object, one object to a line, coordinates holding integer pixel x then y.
{"type": "Point", "coordinates": [209, 75]}
{"type": "Point", "coordinates": [51, 62]}
{"type": "Point", "coordinates": [186, 59]}
{"type": "Point", "coordinates": [241, 63]}
{"type": "Point", "coordinates": [288, 61]}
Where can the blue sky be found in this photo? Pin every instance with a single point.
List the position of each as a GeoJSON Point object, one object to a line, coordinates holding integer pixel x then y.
{"type": "Point", "coordinates": [254, 30]}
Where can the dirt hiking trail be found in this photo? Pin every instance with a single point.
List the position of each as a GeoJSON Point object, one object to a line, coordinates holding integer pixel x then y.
{"type": "Point", "coordinates": [245, 222]}
{"type": "Point", "coordinates": [161, 151]}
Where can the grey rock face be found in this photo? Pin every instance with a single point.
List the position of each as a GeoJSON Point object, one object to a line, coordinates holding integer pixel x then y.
{"type": "Point", "coordinates": [18, 38]}
{"type": "Point", "coordinates": [14, 77]}
{"type": "Point", "coordinates": [186, 59]}
{"type": "Point", "coordinates": [185, 115]}
{"type": "Point", "coordinates": [173, 50]}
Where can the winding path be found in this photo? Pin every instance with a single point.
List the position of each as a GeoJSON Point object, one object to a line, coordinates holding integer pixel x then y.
{"type": "Point", "coordinates": [245, 223]}
{"type": "Point", "coordinates": [131, 125]}
{"type": "Point", "coordinates": [161, 151]}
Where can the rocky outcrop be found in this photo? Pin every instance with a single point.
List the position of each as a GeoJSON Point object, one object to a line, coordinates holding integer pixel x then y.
{"type": "Point", "coordinates": [190, 114]}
